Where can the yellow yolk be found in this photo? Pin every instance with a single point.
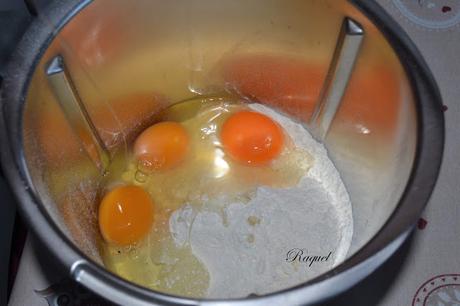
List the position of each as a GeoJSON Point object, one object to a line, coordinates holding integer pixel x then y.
{"type": "Point", "coordinates": [252, 138]}
{"type": "Point", "coordinates": [162, 146]}
{"type": "Point", "coordinates": [125, 215]}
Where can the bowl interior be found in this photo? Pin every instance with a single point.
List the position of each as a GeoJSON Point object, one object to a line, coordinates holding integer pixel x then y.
{"type": "Point", "coordinates": [129, 60]}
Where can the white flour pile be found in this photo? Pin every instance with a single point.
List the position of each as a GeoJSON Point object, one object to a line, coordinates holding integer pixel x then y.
{"type": "Point", "coordinates": [248, 253]}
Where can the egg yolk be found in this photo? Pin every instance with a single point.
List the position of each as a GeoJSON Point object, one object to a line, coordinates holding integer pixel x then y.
{"type": "Point", "coordinates": [162, 146]}
{"type": "Point", "coordinates": [125, 215]}
{"type": "Point", "coordinates": [252, 138]}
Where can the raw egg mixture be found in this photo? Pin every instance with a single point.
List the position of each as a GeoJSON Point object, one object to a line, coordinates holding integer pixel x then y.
{"type": "Point", "coordinates": [210, 203]}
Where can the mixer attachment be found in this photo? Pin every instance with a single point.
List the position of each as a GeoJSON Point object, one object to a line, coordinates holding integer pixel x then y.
{"type": "Point", "coordinates": [76, 113]}
{"type": "Point", "coordinates": [340, 70]}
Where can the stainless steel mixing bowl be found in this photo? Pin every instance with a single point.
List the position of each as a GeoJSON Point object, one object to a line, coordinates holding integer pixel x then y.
{"type": "Point", "coordinates": [87, 76]}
